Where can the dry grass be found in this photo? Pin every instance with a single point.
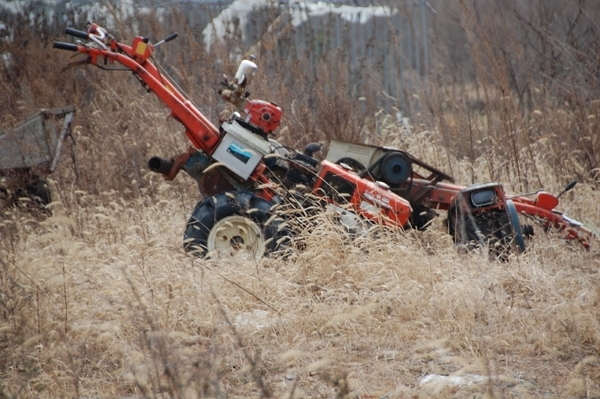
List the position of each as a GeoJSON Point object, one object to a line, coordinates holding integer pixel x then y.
{"type": "Point", "coordinates": [99, 299]}
{"type": "Point", "coordinates": [102, 302]}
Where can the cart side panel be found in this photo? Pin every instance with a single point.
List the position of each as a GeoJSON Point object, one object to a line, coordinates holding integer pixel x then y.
{"type": "Point", "coordinates": [29, 145]}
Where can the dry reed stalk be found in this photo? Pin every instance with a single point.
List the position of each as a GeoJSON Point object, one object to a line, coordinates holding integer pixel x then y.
{"type": "Point", "coordinates": [100, 299]}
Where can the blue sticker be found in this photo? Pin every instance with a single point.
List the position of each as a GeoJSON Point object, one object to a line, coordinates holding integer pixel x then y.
{"type": "Point", "coordinates": [240, 153]}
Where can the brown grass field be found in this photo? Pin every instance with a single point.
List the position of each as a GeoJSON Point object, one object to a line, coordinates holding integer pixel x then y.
{"type": "Point", "coordinates": [99, 300]}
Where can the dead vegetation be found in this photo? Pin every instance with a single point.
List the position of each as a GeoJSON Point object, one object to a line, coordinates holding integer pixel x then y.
{"type": "Point", "coordinates": [100, 300]}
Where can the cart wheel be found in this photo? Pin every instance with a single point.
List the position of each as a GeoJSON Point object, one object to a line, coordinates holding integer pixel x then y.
{"type": "Point", "coordinates": [513, 217]}
{"type": "Point", "coordinates": [39, 192]}
{"type": "Point", "coordinates": [234, 224]}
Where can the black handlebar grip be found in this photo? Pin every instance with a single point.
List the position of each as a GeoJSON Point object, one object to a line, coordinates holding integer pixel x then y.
{"type": "Point", "coordinates": [76, 33]}
{"type": "Point", "coordinates": [171, 37]}
{"type": "Point", "coordinates": [65, 46]}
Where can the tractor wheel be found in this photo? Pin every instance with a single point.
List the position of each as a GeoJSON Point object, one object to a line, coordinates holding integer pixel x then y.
{"type": "Point", "coordinates": [233, 224]}
{"type": "Point", "coordinates": [421, 217]}
{"type": "Point", "coordinates": [513, 218]}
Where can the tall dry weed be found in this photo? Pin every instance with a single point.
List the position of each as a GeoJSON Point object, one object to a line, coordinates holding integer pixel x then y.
{"type": "Point", "coordinates": [99, 299]}
{"type": "Point", "coordinates": [105, 293]}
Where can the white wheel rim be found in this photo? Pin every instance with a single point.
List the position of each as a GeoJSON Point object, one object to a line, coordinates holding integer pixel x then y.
{"type": "Point", "coordinates": [236, 237]}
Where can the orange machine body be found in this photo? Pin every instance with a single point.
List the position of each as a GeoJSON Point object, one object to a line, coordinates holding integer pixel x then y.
{"type": "Point", "coordinates": [367, 198]}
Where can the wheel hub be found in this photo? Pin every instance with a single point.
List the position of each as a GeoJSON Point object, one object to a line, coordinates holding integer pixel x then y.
{"type": "Point", "coordinates": [236, 237]}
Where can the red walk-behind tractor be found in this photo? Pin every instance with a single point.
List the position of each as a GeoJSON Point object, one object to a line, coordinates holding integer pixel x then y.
{"type": "Point", "coordinates": [244, 175]}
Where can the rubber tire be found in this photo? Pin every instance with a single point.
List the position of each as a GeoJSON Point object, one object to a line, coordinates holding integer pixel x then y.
{"type": "Point", "coordinates": [243, 203]}
{"type": "Point", "coordinates": [515, 224]}
{"type": "Point", "coordinates": [421, 217]}
{"type": "Point", "coordinates": [39, 192]}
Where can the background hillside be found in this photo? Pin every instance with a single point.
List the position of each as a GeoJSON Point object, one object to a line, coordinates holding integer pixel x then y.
{"type": "Point", "coordinates": [98, 299]}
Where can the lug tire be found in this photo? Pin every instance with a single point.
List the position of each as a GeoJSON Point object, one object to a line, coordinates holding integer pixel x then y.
{"type": "Point", "coordinates": [233, 224]}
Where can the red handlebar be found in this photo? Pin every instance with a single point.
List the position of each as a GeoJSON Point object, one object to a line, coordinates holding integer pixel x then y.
{"type": "Point", "coordinates": [199, 130]}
